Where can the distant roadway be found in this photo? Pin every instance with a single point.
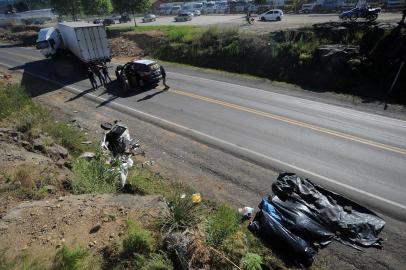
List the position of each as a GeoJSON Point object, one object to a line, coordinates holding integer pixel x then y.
{"type": "Point", "coordinates": [288, 21]}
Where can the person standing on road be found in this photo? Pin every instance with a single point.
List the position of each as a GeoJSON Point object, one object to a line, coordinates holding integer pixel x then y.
{"type": "Point", "coordinates": [163, 73]}
{"type": "Point", "coordinates": [96, 71]}
{"type": "Point", "coordinates": [403, 20]}
{"type": "Point", "coordinates": [105, 73]}
{"type": "Point", "coordinates": [92, 80]}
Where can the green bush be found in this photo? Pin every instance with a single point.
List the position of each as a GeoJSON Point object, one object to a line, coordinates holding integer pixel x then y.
{"type": "Point", "coordinates": [13, 98]}
{"type": "Point", "coordinates": [221, 224]}
{"type": "Point", "coordinates": [66, 259]}
{"type": "Point", "coordinates": [235, 246]}
{"type": "Point", "coordinates": [95, 175]}
{"type": "Point", "coordinates": [138, 240]}
{"type": "Point", "coordinates": [69, 137]}
{"type": "Point", "coordinates": [30, 117]}
{"type": "Point", "coordinates": [252, 261]}
{"type": "Point", "coordinates": [158, 261]}
{"type": "Point", "coordinates": [183, 214]}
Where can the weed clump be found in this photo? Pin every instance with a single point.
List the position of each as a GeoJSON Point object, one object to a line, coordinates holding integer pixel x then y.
{"type": "Point", "coordinates": [67, 259]}
{"type": "Point", "coordinates": [67, 136]}
{"type": "Point", "coordinates": [93, 176]}
{"type": "Point", "coordinates": [221, 224]}
{"type": "Point", "coordinates": [252, 261]}
{"type": "Point", "coordinates": [183, 213]}
{"type": "Point", "coordinates": [138, 240]}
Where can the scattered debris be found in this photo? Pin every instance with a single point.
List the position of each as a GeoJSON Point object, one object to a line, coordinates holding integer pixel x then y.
{"type": "Point", "coordinates": [88, 155]}
{"type": "Point", "coordinates": [196, 198]}
{"type": "Point", "coordinates": [86, 142]}
{"type": "Point", "coordinates": [176, 245]}
{"type": "Point", "coordinates": [121, 147]}
{"type": "Point", "coordinates": [246, 211]}
{"type": "Point", "coordinates": [149, 162]}
{"type": "Point", "coordinates": [301, 215]}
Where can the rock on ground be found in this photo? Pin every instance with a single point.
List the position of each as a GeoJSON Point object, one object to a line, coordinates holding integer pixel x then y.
{"type": "Point", "coordinates": [43, 226]}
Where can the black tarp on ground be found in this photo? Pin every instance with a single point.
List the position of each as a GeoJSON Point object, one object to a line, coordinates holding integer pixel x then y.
{"type": "Point", "coordinates": [301, 214]}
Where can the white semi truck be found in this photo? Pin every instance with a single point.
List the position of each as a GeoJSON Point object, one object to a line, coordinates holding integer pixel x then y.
{"type": "Point", "coordinates": [87, 42]}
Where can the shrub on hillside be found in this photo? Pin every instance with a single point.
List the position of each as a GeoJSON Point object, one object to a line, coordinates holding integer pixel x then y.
{"type": "Point", "coordinates": [138, 240]}
{"type": "Point", "coordinates": [221, 224]}
{"type": "Point", "coordinates": [67, 259]}
{"type": "Point", "coordinates": [183, 213]}
{"type": "Point", "coordinates": [93, 176]}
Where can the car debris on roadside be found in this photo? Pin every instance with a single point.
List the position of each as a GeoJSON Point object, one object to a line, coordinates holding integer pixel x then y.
{"type": "Point", "coordinates": [118, 143]}
{"type": "Point", "coordinates": [301, 216]}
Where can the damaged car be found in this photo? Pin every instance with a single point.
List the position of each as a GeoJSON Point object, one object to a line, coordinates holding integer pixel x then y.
{"type": "Point", "coordinates": [139, 73]}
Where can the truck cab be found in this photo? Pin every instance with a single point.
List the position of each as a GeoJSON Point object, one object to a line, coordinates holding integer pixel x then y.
{"type": "Point", "coordinates": [49, 41]}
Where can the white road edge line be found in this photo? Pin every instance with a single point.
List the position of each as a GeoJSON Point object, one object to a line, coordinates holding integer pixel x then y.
{"type": "Point", "coordinates": [274, 160]}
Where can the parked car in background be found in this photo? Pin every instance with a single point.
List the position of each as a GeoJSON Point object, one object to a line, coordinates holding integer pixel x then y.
{"type": "Point", "coordinates": [124, 19]}
{"type": "Point", "coordinates": [108, 21]}
{"type": "Point", "coordinates": [271, 15]}
{"type": "Point", "coordinates": [196, 12]}
{"type": "Point", "coordinates": [221, 7]}
{"type": "Point", "coordinates": [175, 10]}
{"type": "Point", "coordinates": [139, 73]}
{"type": "Point", "coordinates": [98, 21]}
{"type": "Point", "coordinates": [183, 17]}
{"type": "Point", "coordinates": [149, 18]}
{"type": "Point", "coordinates": [209, 8]}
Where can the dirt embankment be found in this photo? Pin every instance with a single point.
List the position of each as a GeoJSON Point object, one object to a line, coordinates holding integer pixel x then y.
{"type": "Point", "coordinates": [133, 44]}
{"type": "Point", "coordinates": [19, 34]}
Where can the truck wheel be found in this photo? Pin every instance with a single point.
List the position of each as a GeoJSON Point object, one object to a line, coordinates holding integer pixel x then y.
{"type": "Point", "coordinates": [353, 18]}
{"type": "Point", "coordinates": [372, 17]}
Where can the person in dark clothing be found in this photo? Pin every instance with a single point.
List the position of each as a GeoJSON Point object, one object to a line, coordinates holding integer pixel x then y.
{"type": "Point", "coordinates": [99, 75]}
{"type": "Point", "coordinates": [163, 73]}
{"type": "Point", "coordinates": [105, 72]}
{"type": "Point", "coordinates": [403, 20]}
{"type": "Point", "coordinates": [92, 80]}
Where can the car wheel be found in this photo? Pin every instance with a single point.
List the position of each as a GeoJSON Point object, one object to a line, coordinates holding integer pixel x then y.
{"type": "Point", "coordinates": [263, 19]}
{"type": "Point", "coordinates": [278, 19]}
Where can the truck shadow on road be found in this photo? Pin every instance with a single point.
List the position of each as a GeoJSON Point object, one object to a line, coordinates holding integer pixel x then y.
{"type": "Point", "coordinates": [56, 74]}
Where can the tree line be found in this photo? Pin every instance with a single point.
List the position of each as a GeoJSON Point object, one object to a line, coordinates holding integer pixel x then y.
{"type": "Point", "coordinates": [89, 7]}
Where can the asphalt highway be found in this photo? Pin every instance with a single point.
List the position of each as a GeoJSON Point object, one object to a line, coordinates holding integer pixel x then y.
{"type": "Point", "coordinates": [359, 154]}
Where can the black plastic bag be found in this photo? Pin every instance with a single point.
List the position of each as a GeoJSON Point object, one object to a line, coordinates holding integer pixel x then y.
{"type": "Point", "coordinates": [350, 222]}
{"type": "Point", "coordinates": [302, 214]}
{"type": "Point", "coordinates": [278, 236]}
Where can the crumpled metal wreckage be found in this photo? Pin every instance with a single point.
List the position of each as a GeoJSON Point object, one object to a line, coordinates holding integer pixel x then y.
{"type": "Point", "coordinates": [118, 143]}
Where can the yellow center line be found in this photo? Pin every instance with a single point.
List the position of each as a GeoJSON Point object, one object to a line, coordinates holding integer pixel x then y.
{"type": "Point", "coordinates": [276, 117]}
{"type": "Point", "coordinates": [293, 122]}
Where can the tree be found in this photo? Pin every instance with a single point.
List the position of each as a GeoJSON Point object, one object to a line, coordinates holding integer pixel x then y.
{"type": "Point", "coordinates": [260, 2]}
{"type": "Point", "coordinates": [68, 7]}
{"type": "Point", "coordinates": [99, 7]}
{"type": "Point", "coordinates": [131, 6]}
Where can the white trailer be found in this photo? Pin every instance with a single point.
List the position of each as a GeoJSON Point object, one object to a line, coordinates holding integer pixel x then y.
{"type": "Point", "coordinates": [88, 42]}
